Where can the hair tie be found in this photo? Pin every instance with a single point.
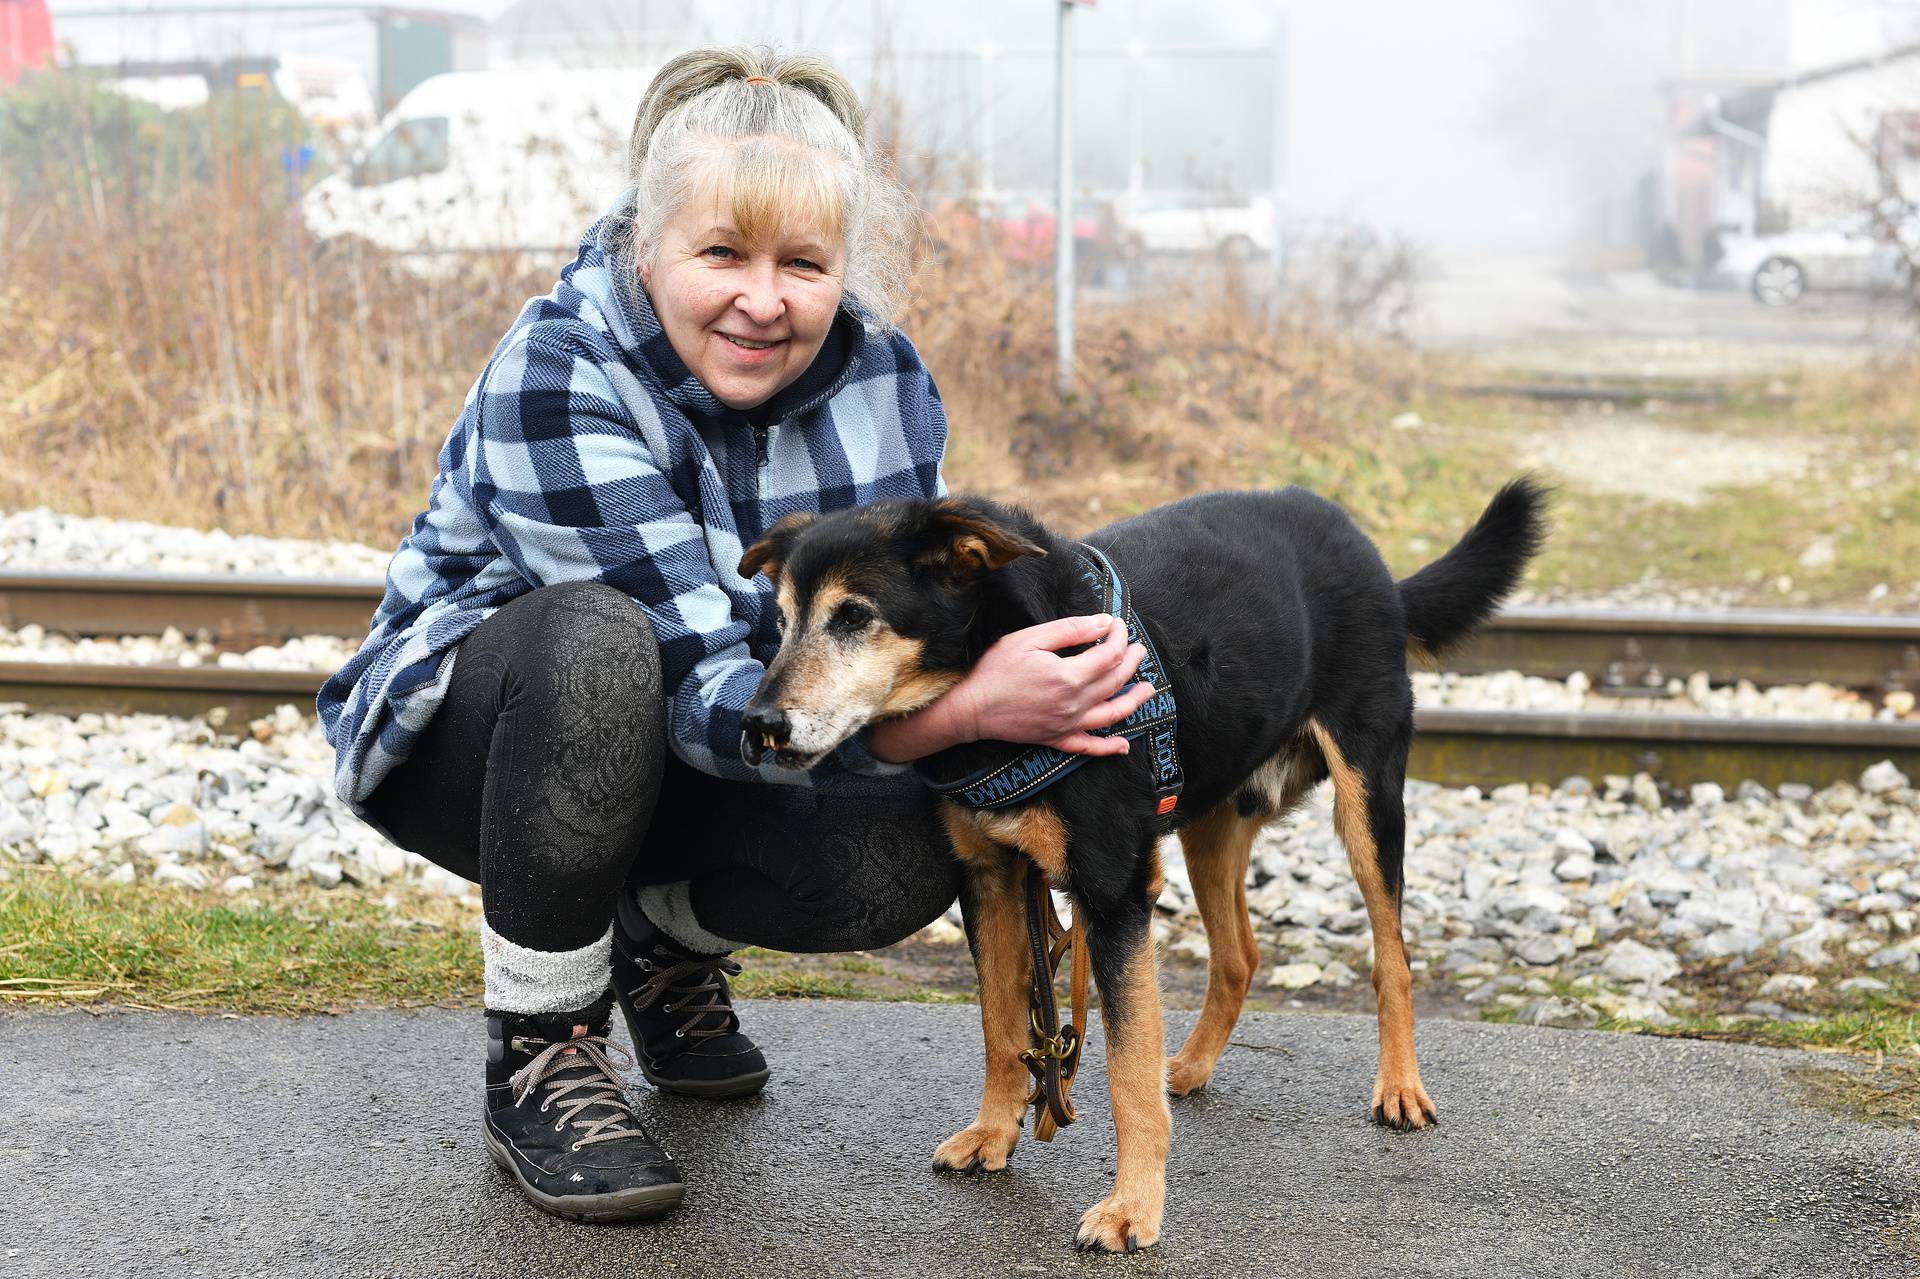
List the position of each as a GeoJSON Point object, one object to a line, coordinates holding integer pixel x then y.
{"type": "Point", "coordinates": [758, 79]}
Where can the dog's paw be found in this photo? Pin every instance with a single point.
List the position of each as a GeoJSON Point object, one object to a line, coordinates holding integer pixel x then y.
{"type": "Point", "coordinates": [1183, 1076]}
{"type": "Point", "coordinates": [1402, 1104]}
{"type": "Point", "coordinates": [1118, 1225]}
{"type": "Point", "coordinates": [976, 1149]}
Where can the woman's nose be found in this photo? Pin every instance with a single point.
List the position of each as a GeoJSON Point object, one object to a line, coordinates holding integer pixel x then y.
{"type": "Point", "coordinates": [759, 298]}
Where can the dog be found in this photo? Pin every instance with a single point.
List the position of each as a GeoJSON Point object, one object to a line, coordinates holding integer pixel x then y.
{"type": "Point", "coordinates": [1285, 642]}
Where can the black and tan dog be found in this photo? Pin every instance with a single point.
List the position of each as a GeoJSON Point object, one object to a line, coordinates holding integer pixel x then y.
{"type": "Point", "coordinates": [1285, 639]}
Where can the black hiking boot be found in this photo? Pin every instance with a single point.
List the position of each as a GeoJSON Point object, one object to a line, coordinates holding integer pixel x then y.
{"type": "Point", "coordinates": [560, 1123]}
{"type": "Point", "coordinates": [680, 1014]}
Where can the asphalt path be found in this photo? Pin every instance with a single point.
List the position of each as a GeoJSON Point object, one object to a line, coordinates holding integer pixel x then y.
{"type": "Point", "coordinates": [139, 1144]}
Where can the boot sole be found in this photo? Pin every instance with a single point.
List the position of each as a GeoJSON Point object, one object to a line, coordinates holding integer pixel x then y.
{"type": "Point", "coordinates": [636, 1204]}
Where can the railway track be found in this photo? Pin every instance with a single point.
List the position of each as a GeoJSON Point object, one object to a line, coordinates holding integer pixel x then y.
{"type": "Point", "coordinates": [1627, 653]}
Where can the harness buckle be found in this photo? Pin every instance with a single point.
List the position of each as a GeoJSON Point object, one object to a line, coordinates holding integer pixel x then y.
{"type": "Point", "coordinates": [1061, 1046]}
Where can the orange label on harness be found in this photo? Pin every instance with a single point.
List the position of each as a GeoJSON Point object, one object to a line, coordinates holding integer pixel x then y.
{"type": "Point", "coordinates": [1166, 805]}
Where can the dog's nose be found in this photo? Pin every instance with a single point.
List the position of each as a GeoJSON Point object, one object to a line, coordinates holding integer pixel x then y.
{"type": "Point", "coordinates": [766, 724]}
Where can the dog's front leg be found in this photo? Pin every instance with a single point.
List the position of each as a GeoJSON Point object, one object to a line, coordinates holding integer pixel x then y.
{"type": "Point", "coordinates": [1121, 945]}
{"type": "Point", "coordinates": [991, 901]}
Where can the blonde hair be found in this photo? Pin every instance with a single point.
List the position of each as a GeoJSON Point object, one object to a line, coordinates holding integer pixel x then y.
{"type": "Point", "coordinates": [782, 134]}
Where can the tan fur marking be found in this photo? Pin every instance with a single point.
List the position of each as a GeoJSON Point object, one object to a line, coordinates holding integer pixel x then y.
{"type": "Point", "coordinates": [1004, 967]}
{"type": "Point", "coordinates": [826, 597]}
{"type": "Point", "coordinates": [979, 544]}
{"type": "Point", "coordinates": [1142, 1124]}
{"type": "Point", "coordinates": [1217, 848]}
{"type": "Point", "coordinates": [1423, 657]}
{"type": "Point", "coordinates": [1399, 1099]}
{"type": "Point", "coordinates": [913, 689]}
{"type": "Point", "coordinates": [1286, 777]}
{"type": "Point", "coordinates": [1035, 830]}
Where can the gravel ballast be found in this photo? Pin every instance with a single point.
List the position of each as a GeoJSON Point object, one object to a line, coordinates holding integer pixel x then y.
{"type": "Point", "coordinates": [1614, 883]}
{"type": "Point", "coordinates": [48, 541]}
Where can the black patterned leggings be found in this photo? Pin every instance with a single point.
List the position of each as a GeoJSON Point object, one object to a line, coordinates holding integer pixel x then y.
{"type": "Point", "coordinates": [545, 776]}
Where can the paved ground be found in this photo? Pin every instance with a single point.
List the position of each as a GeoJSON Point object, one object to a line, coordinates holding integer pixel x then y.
{"type": "Point", "coordinates": [148, 1145]}
{"type": "Point", "coordinates": [1538, 314]}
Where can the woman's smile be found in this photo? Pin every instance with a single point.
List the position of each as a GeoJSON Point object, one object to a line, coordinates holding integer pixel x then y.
{"type": "Point", "coordinates": [751, 352]}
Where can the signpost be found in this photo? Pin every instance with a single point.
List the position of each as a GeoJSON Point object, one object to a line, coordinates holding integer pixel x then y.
{"type": "Point", "coordinates": [1063, 195]}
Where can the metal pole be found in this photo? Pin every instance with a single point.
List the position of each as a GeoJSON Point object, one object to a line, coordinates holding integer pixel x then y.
{"type": "Point", "coordinates": [987, 186]}
{"type": "Point", "coordinates": [1277, 265]}
{"type": "Point", "coordinates": [1063, 197]}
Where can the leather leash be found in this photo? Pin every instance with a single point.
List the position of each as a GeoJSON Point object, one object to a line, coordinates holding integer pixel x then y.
{"type": "Point", "coordinates": [1054, 1057]}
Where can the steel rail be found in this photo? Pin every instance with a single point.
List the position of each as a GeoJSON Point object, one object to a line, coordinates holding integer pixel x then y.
{"type": "Point", "coordinates": [1457, 746]}
{"type": "Point", "coordinates": [1453, 746]}
{"type": "Point", "coordinates": [1768, 647]}
{"type": "Point", "coordinates": [237, 612]}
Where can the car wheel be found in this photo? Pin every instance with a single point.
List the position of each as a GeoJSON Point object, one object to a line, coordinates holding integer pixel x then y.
{"type": "Point", "coordinates": [1237, 249]}
{"type": "Point", "coordinates": [1779, 282]}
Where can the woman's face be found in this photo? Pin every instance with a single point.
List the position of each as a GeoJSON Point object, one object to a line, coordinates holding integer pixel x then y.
{"type": "Point", "coordinates": [746, 319]}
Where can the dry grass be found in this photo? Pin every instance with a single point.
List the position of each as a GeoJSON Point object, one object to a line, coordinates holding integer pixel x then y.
{"type": "Point", "coordinates": [174, 350]}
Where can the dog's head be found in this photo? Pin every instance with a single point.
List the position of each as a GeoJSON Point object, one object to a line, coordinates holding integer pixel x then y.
{"type": "Point", "coordinates": [875, 606]}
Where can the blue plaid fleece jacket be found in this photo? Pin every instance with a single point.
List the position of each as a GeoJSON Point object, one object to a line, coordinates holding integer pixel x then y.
{"type": "Point", "coordinates": [587, 451]}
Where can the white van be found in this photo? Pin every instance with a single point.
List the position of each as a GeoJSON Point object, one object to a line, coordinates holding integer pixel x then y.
{"type": "Point", "coordinates": [485, 161]}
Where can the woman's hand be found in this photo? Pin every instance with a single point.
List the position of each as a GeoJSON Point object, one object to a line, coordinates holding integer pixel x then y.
{"type": "Point", "coordinates": [1022, 690]}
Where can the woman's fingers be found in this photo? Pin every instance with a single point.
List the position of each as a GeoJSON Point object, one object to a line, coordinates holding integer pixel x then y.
{"type": "Point", "coordinates": [1115, 679]}
{"type": "Point", "coordinates": [1088, 744]}
{"type": "Point", "coordinates": [1115, 709]}
{"type": "Point", "coordinates": [1065, 632]}
{"type": "Point", "coordinates": [1102, 658]}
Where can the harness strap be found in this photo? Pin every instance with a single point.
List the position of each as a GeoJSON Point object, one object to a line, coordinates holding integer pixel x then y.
{"type": "Point", "coordinates": [1054, 1057]}
{"type": "Point", "coordinates": [1028, 770]}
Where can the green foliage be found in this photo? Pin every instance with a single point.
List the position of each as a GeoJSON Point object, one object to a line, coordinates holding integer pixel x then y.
{"type": "Point", "coordinates": [68, 139]}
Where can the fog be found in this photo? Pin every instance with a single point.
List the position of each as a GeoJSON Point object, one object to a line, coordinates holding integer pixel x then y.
{"type": "Point", "coordinates": [1511, 125]}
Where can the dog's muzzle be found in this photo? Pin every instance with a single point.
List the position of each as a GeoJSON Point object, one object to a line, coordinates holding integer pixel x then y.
{"type": "Point", "coordinates": [765, 729]}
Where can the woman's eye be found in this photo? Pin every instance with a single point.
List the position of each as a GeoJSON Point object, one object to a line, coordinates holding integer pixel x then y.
{"type": "Point", "coordinates": [718, 251]}
{"type": "Point", "coordinates": [850, 617]}
{"type": "Point", "coordinates": [805, 264]}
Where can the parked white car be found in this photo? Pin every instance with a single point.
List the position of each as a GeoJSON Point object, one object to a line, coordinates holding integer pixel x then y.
{"type": "Point", "coordinates": [485, 161]}
{"type": "Point", "coordinates": [1157, 222]}
{"type": "Point", "coordinates": [1852, 253]}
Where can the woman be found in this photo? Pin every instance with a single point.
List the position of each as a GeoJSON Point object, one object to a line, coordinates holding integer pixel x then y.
{"type": "Point", "coordinates": [549, 700]}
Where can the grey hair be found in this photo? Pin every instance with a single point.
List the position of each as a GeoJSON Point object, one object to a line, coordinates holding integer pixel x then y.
{"type": "Point", "coordinates": [779, 125]}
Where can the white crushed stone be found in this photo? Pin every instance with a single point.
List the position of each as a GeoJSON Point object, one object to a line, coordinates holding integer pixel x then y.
{"type": "Point", "coordinates": [32, 643]}
{"type": "Point", "coordinates": [1619, 887]}
{"type": "Point", "coordinates": [1613, 887]}
{"type": "Point", "coordinates": [45, 540]}
{"type": "Point", "coordinates": [1694, 695]}
{"type": "Point", "coordinates": [149, 797]}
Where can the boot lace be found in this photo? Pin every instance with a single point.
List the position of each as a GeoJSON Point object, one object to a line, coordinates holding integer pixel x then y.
{"type": "Point", "coordinates": [578, 1075]}
{"type": "Point", "coordinates": [687, 981]}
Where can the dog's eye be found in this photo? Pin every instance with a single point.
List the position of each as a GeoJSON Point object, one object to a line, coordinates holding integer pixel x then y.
{"type": "Point", "coordinates": [780, 622]}
{"type": "Point", "coordinates": [850, 617]}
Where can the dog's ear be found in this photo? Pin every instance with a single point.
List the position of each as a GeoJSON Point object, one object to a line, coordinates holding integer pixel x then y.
{"type": "Point", "coordinates": [770, 552]}
{"type": "Point", "coordinates": [975, 542]}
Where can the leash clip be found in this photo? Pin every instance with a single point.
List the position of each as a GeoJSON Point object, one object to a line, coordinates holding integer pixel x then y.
{"type": "Point", "coordinates": [1062, 1047]}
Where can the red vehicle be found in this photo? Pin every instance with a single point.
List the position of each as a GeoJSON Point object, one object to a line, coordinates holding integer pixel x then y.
{"type": "Point", "coordinates": [26, 38]}
{"type": "Point", "coordinates": [1023, 228]}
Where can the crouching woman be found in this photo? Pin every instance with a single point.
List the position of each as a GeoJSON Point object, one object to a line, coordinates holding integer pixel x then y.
{"type": "Point", "coordinates": [550, 697]}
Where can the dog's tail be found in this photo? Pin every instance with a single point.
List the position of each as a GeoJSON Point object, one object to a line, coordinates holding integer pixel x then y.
{"type": "Point", "coordinates": [1448, 598]}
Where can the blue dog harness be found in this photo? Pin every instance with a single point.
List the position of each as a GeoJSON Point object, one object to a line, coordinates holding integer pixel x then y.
{"type": "Point", "coordinates": [1034, 768]}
